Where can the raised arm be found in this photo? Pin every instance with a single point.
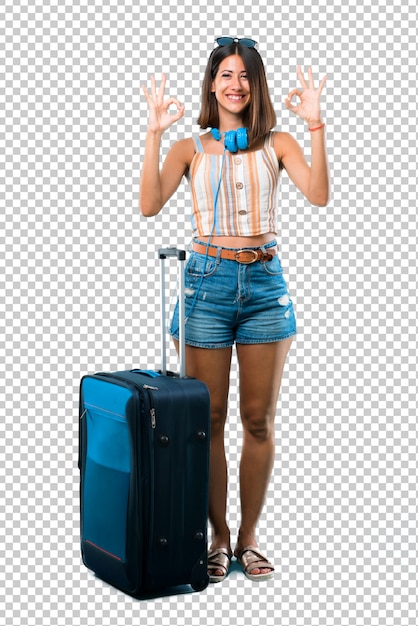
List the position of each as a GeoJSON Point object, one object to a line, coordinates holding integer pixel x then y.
{"type": "Point", "coordinates": [156, 186]}
{"type": "Point", "coordinates": [312, 181]}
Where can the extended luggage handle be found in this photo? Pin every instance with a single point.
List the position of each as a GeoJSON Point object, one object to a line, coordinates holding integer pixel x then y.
{"type": "Point", "coordinates": [163, 253]}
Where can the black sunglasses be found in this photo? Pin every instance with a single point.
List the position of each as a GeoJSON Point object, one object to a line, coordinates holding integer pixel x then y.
{"type": "Point", "coordinates": [226, 41]}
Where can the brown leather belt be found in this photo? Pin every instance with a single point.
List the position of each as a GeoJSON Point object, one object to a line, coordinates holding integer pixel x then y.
{"type": "Point", "coordinates": [246, 256]}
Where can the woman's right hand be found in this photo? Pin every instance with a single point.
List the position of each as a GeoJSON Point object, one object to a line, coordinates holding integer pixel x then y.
{"type": "Point", "coordinates": [159, 116]}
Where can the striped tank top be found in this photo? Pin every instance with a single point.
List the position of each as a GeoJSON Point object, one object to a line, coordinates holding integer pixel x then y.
{"type": "Point", "coordinates": [247, 196]}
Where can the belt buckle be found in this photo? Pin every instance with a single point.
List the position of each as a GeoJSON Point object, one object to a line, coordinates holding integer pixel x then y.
{"type": "Point", "coordinates": [244, 251]}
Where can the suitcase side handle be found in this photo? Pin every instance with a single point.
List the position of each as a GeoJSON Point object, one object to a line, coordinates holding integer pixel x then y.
{"type": "Point", "coordinates": [163, 253]}
{"type": "Point", "coordinates": [153, 373]}
{"type": "Point", "coordinates": [150, 373]}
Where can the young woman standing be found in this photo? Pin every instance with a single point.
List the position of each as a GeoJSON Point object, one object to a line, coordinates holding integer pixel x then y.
{"type": "Point", "coordinates": [236, 293]}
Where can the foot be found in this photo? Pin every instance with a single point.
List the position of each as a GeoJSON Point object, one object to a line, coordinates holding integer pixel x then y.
{"type": "Point", "coordinates": [248, 544]}
{"type": "Point", "coordinates": [254, 563]}
{"type": "Point", "coordinates": [219, 560]}
{"type": "Point", "coordinates": [221, 541]}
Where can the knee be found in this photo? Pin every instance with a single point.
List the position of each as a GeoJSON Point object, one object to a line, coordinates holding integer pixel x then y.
{"type": "Point", "coordinates": [259, 425]}
{"type": "Point", "coordinates": [217, 421]}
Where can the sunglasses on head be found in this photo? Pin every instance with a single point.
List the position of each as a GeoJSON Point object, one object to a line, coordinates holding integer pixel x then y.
{"type": "Point", "coordinates": [226, 41]}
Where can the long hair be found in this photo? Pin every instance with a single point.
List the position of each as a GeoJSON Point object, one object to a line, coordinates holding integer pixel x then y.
{"type": "Point", "coordinates": [259, 117]}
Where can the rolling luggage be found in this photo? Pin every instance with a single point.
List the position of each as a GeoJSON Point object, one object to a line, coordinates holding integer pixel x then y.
{"type": "Point", "coordinates": [144, 472]}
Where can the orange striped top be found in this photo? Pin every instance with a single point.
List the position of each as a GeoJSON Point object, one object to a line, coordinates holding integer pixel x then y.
{"type": "Point", "coordinates": [247, 198]}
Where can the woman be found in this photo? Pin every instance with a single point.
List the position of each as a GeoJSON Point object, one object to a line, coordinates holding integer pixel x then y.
{"type": "Point", "coordinates": [235, 290]}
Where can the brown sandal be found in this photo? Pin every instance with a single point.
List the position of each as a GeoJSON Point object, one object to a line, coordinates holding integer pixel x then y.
{"type": "Point", "coordinates": [250, 558]}
{"type": "Point", "coordinates": [219, 558]}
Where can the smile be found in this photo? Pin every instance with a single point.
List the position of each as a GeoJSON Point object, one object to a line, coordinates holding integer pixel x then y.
{"type": "Point", "coordinates": [235, 98]}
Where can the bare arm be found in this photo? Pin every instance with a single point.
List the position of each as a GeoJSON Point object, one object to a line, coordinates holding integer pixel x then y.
{"type": "Point", "coordinates": [312, 181]}
{"type": "Point", "coordinates": [156, 186]}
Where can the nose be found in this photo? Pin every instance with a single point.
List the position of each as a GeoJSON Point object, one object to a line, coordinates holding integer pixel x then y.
{"type": "Point", "coordinates": [236, 83]}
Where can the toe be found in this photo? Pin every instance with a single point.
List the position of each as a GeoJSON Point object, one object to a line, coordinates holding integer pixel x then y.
{"type": "Point", "coordinates": [257, 571]}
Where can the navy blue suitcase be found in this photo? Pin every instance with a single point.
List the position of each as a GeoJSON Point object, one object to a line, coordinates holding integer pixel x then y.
{"type": "Point", "coordinates": [144, 439]}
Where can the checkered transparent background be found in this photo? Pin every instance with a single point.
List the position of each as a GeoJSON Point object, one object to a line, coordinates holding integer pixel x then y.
{"type": "Point", "coordinates": [79, 294]}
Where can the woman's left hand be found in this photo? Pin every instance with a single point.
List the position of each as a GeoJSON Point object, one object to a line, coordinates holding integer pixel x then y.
{"type": "Point", "coordinates": [308, 108]}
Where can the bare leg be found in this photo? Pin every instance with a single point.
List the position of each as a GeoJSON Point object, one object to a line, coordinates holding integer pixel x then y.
{"type": "Point", "coordinates": [261, 369]}
{"type": "Point", "coordinates": [213, 368]}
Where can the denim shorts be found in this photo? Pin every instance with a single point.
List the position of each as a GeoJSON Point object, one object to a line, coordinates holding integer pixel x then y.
{"type": "Point", "coordinates": [229, 302]}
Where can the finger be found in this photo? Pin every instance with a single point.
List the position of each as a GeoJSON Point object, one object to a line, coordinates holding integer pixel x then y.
{"type": "Point", "coordinates": [175, 116]}
{"type": "Point", "coordinates": [322, 83]}
{"type": "Point", "coordinates": [162, 87]}
{"type": "Point", "coordinates": [293, 93]}
{"type": "Point", "coordinates": [301, 77]}
{"type": "Point", "coordinates": [311, 80]}
{"type": "Point", "coordinates": [170, 101]}
{"type": "Point", "coordinates": [179, 106]}
{"type": "Point", "coordinates": [145, 91]}
{"type": "Point", "coordinates": [290, 106]}
{"type": "Point", "coordinates": [179, 113]}
{"type": "Point", "coordinates": [153, 88]}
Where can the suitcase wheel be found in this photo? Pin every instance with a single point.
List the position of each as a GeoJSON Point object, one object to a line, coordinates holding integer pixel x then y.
{"type": "Point", "coordinates": [201, 584]}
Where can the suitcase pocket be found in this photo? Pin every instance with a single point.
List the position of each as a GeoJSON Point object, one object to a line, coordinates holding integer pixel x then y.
{"type": "Point", "coordinates": [106, 481]}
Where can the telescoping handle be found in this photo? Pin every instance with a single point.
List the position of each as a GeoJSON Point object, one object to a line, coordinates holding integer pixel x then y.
{"type": "Point", "coordinates": [163, 253]}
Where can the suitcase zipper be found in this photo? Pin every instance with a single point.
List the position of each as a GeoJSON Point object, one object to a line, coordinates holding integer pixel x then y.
{"type": "Point", "coordinates": [152, 410]}
{"type": "Point", "coordinates": [148, 389]}
{"type": "Point", "coordinates": [153, 419]}
{"type": "Point", "coordinates": [94, 407]}
{"type": "Point", "coordinates": [135, 385]}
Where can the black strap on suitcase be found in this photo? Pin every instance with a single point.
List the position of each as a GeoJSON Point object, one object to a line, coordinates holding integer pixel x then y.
{"type": "Point", "coordinates": [144, 438]}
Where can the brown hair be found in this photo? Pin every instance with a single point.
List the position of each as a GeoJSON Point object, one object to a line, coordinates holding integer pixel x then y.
{"type": "Point", "coordinates": [259, 117]}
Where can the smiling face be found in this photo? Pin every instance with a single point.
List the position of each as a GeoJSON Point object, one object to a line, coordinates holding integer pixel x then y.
{"type": "Point", "coordinates": [231, 86]}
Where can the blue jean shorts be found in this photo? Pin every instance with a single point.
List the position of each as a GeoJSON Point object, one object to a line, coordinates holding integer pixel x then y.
{"type": "Point", "coordinates": [229, 302]}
